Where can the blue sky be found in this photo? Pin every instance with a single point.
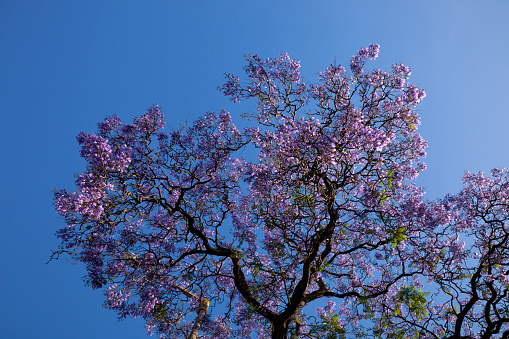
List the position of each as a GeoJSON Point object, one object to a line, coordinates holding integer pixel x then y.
{"type": "Point", "coordinates": [64, 65]}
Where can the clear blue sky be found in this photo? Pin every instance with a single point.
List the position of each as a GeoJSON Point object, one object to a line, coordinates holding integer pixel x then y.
{"type": "Point", "coordinates": [64, 65]}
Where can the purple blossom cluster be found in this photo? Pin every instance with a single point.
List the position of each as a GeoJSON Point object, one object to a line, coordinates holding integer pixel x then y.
{"type": "Point", "coordinates": [327, 209]}
{"type": "Point", "coordinates": [364, 54]}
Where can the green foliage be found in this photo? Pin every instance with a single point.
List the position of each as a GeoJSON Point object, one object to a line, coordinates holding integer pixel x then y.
{"type": "Point", "coordinates": [382, 196]}
{"type": "Point", "coordinates": [452, 310]}
{"type": "Point", "coordinates": [414, 300]}
{"type": "Point", "coordinates": [343, 230]}
{"type": "Point", "coordinates": [411, 126]}
{"type": "Point", "coordinates": [330, 327]}
{"type": "Point", "coordinates": [257, 266]}
{"type": "Point", "coordinates": [366, 308]}
{"type": "Point", "coordinates": [398, 334]}
{"type": "Point", "coordinates": [160, 313]}
{"type": "Point", "coordinates": [397, 236]}
{"type": "Point", "coordinates": [236, 252]}
{"type": "Point", "coordinates": [301, 199]}
{"type": "Point", "coordinates": [324, 266]}
{"type": "Point", "coordinates": [434, 262]}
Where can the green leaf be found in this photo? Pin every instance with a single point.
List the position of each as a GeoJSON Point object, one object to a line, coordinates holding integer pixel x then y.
{"type": "Point", "coordinates": [397, 236]}
{"type": "Point", "coordinates": [256, 271]}
{"type": "Point", "coordinates": [397, 310]}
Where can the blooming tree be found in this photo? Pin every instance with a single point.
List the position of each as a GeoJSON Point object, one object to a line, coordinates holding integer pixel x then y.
{"type": "Point", "coordinates": [170, 223]}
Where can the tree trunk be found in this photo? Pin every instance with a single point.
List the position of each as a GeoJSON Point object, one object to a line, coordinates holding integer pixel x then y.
{"type": "Point", "coordinates": [202, 311]}
{"type": "Point", "coordinates": [279, 331]}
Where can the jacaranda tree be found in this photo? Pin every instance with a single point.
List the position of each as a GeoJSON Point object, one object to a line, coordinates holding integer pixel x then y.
{"type": "Point", "coordinates": [323, 233]}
